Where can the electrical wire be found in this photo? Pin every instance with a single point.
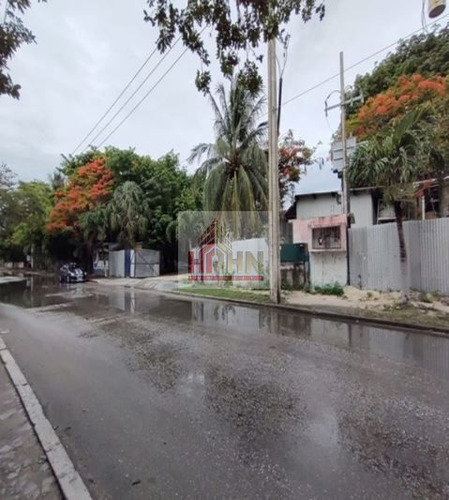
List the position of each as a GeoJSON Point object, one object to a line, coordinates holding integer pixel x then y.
{"type": "Point", "coordinates": [143, 98]}
{"type": "Point", "coordinates": [423, 16]}
{"type": "Point", "coordinates": [327, 80]}
{"type": "Point", "coordinates": [6, 11]}
{"type": "Point", "coordinates": [136, 74]}
{"type": "Point", "coordinates": [134, 93]}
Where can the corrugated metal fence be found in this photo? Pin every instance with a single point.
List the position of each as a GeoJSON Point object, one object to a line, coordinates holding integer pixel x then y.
{"type": "Point", "coordinates": [145, 263]}
{"type": "Point", "coordinates": [374, 256]}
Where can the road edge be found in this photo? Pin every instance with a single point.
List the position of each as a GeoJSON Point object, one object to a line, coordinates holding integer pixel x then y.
{"type": "Point", "coordinates": [69, 480]}
{"type": "Point", "coordinates": [333, 315]}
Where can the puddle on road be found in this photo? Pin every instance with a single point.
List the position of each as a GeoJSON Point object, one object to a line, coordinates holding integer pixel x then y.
{"type": "Point", "coordinates": [426, 351]}
{"type": "Point", "coordinates": [39, 291]}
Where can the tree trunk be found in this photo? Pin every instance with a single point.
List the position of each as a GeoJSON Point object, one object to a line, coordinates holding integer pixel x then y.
{"type": "Point", "coordinates": [405, 281]}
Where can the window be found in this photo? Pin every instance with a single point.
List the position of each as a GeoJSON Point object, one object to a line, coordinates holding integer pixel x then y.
{"type": "Point", "coordinates": [326, 238]}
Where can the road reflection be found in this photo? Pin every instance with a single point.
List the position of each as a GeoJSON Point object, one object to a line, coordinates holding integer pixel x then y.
{"type": "Point", "coordinates": [426, 351]}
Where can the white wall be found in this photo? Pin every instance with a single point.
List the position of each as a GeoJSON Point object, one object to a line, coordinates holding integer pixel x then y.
{"type": "Point", "coordinates": [322, 205]}
{"type": "Point", "coordinates": [117, 264]}
{"type": "Point", "coordinates": [362, 208]}
{"type": "Point", "coordinates": [327, 268]}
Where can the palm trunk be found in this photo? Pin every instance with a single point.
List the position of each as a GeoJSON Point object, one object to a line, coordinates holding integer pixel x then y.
{"type": "Point", "coordinates": [405, 282]}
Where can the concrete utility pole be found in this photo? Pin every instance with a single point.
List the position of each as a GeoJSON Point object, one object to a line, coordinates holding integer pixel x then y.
{"type": "Point", "coordinates": [346, 201]}
{"type": "Point", "coordinates": [345, 195]}
{"type": "Point", "coordinates": [273, 178]}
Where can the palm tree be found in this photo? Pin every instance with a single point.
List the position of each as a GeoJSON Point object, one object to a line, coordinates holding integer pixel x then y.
{"type": "Point", "coordinates": [128, 214]}
{"type": "Point", "coordinates": [94, 224]}
{"type": "Point", "coordinates": [235, 164]}
{"type": "Point", "coordinates": [394, 161]}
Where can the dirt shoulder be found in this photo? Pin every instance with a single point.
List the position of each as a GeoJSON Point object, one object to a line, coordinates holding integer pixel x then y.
{"type": "Point", "coordinates": [425, 311]}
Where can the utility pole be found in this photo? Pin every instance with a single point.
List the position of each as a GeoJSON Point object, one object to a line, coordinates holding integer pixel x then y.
{"type": "Point", "coordinates": [273, 178]}
{"type": "Point", "coordinates": [346, 202]}
{"type": "Point", "coordinates": [345, 195]}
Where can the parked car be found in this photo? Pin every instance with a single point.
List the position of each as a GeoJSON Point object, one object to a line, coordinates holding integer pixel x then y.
{"type": "Point", "coordinates": [72, 273]}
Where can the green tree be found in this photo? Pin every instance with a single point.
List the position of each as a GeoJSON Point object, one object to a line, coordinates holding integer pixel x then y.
{"type": "Point", "coordinates": [235, 165]}
{"type": "Point", "coordinates": [426, 54]}
{"type": "Point", "coordinates": [9, 215]}
{"type": "Point", "coordinates": [294, 158]}
{"type": "Point", "coordinates": [394, 161]}
{"type": "Point", "coordinates": [94, 226]}
{"type": "Point", "coordinates": [128, 214]}
{"type": "Point", "coordinates": [239, 27]}
{"type": "Point", "coordinates": [33, 202]}
{"type": "Point", "coordinates": [71, 163]}
{"type": "Point", "coordinates": [165, 189]}
{"type": "Point", "coordinates": [13, 34]}
{"type": "Point", "coordinates": [23, 213]}
{"type": "Point", "coordinates": [438, 131]}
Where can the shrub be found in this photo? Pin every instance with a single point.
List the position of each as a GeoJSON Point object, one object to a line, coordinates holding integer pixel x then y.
{"type": "Point", "coordinates": [335, 289]}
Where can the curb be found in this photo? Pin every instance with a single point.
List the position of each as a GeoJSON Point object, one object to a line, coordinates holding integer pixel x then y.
{"type": "Point", "coordinates": [440, 332]}
{"type": "Point", "coordinates": [69, 480]}
{"type": "Point", "coordinates": [311, 311]}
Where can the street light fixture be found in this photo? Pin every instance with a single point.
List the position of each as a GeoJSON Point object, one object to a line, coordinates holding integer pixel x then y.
{"type": "Point", "coordinates": [436, 8]}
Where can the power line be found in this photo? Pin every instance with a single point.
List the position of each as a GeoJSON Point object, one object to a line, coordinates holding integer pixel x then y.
{"type": "Point", "coordinates": [134, 93]}
{"type": "Point", "coordinates": [143, 98]}
{"type": "Point", "coordinates": [5, 15]}
{"type": "Point", "coordinates": [136, 74]}
{"type": "Point", "coordinates": [327, 80]}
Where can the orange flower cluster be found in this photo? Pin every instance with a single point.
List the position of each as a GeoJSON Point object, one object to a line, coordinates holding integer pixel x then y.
{"type": "Point", "coordinates": [91, 185]}
{"type": "Point", "coordinates": [408, 91]}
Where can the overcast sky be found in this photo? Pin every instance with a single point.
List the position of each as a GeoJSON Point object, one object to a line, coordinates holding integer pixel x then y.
{"type": "Point", "coordinates": [86, 52]}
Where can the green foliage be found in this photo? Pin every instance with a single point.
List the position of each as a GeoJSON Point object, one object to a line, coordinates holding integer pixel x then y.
{"type": "Point", "coordinates": [393, 159]}
{"type": "Point", "coordinates": [128, 214]}
{"type": "Point", "coordinates": [235, 166]}
{"type": "Point", "coordinates": [146, 196]}
{"type": "Point", "coordinates": [33, 203]}
{"type": "Point", "coordinates": [335, 289]}
{"type": "Point", "coordinates": [227, 293]}
{"type": "Point", "coordinates": [70, 164]}
{"type": "Point", "coordinates": [13, 34]}
{"type": "Point", "coordinates": [94, 225]}
{"type": "Point", "coordinates": [23, 213]}
{"type": "Point", "coordinates": [9, 217]}
{"type": "Point", "coordinates": [426, 54]}
{"type": "Point", "coordinates": [239, 29]}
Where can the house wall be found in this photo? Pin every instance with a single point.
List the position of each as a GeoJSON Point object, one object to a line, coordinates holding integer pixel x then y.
{"type": "Point", "coordinates": [302, 229]}
{"type": "Point", "coordinates": [322, 205]}
{"type": "Point", "coordinates": [362, 208]}
{"type": "Point", "coordinates": [327, 268]}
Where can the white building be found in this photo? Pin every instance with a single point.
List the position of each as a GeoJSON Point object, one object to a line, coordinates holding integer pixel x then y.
{"type": "Point", "coordinates": [366, 206]}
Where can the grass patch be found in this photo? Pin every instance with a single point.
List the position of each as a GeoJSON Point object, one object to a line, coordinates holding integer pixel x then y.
{"type": "Point", "coordinates": [410, 315]}
{"type": "Point", "coordinates": [335, 289]}
{"type": "Point", "coordinates": [228, 293]}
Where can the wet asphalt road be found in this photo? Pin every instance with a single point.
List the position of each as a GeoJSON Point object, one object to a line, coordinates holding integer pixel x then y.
{"type": "Point", "coordinates": [158, 397]}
